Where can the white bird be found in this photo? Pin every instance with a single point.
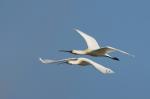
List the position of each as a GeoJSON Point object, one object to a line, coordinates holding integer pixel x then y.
{"type": "Point", "coordinates": [79, 61]}
{"type": "Point", "coordinates": [94, 49]}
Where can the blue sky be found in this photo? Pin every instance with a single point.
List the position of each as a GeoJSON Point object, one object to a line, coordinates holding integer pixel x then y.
{"type": "Point", "coordinates": [39, 28]}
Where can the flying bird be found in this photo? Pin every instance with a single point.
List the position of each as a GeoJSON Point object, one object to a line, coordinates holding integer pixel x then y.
{"type": "Point", "coordinates": [94, 49]}
{"type": "Point", "coordinates": [81, 62]}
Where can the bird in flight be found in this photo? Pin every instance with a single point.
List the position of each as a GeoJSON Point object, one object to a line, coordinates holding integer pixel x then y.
{"type": "Point", "coordinates": [81, 62]}
{"type": "Point", "coordinates": [94, 49]}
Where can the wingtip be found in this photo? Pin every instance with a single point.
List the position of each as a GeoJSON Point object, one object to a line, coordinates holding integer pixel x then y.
{"type": "Point", "coordinates": [77, 30]}
{"type": "Point", "coordinates": [131, 55]}
{"type": "Point", "coordinates": [80, 32]}
{"type": "Point", "coordinates": [122, 51]}
{"type": "Point", "coordinates": [41, 60]}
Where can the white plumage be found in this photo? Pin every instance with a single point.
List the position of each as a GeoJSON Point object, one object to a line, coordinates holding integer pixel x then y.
{"type": "Point", "coordinates": [94, 49]}
{"type": "Point", "coordinates": [91, 42]}
{"type": "Point", "coordinates": [81, 62]}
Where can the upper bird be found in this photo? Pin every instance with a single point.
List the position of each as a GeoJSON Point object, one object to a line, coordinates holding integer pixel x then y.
{"type": "Point", "coordinates": [93, 48]}
{"type": "Point", "coordinates": [80, 61]}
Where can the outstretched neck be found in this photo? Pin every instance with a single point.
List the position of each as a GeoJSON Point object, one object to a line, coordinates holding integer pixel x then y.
{"type": "Point", "coordinates": [80, 52]}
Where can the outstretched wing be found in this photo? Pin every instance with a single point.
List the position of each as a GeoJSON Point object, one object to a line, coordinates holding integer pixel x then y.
{"type": "Point", "coordinates": [91, 42]}
{"type": "Point", "coordinates": [109, 49]}
{"type": "Point", "coordinates": [97, 66]}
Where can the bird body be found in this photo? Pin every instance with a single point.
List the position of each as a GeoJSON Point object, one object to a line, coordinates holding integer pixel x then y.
{"type": "Point", "coordinates": [93, 48]}
{"type": "Point", "coordinates": [90, 52]}
{"type": "Point", "coordinates": [81, 62]}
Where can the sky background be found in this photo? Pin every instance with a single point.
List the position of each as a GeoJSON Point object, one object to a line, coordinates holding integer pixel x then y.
{"type": "Point", "coordinates": [30, 29]}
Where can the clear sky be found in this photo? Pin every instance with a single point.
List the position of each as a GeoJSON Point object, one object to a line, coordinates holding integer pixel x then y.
{"type": "Point", "coordinates": [30, 29]}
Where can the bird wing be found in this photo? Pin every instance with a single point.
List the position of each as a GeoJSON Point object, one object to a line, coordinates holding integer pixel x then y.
{"type": "Point", "coordinates": [49, 61]}
{"type": "Point", "coordinates": [97, 66]}
{"type": "Point", "coordinates": [83, 62]}
{"type": "Point", "coordinates": [91, 42]}
{"type": "Point", "coordinates": [109, 49]}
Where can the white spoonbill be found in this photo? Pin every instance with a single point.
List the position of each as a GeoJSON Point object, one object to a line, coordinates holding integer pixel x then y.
{"type": "Point", "coordinates": [94, 49]}
{"type": "Point", "coordinates": [79, 61]}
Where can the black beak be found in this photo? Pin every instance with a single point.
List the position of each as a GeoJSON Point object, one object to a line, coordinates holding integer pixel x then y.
{"type": "Point", "coordinates": [115, 58]}
{"type": "Point", "coordinates": [65, 51]}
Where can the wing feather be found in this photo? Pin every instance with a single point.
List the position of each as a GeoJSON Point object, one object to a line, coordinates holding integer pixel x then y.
{"type": "Point", "coordinates": [97, 66]}
{"type": "Point", "coordinates": [91, 42]}
{"type": "Point", "coordinates": [111, 49]}
{"type": "Point", "coordinates": [108, 49]}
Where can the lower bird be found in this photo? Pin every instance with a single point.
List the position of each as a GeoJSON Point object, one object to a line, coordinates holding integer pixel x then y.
{"type": "Point", "coordinates": [94, 49]}
{"type": "Point", "coordinates": [79, 61]}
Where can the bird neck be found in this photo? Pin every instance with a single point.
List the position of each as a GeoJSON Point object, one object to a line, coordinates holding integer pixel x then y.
{"type": "Point", "coordinates": [73, 62]}
{"type": "Point", "coordinates": [82, 52]}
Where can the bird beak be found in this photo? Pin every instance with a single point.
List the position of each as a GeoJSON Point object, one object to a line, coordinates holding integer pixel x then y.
{"type": "Point", "coordinates": [61, 63]}
{"type": "Point", "coordinates": [65, 51]}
